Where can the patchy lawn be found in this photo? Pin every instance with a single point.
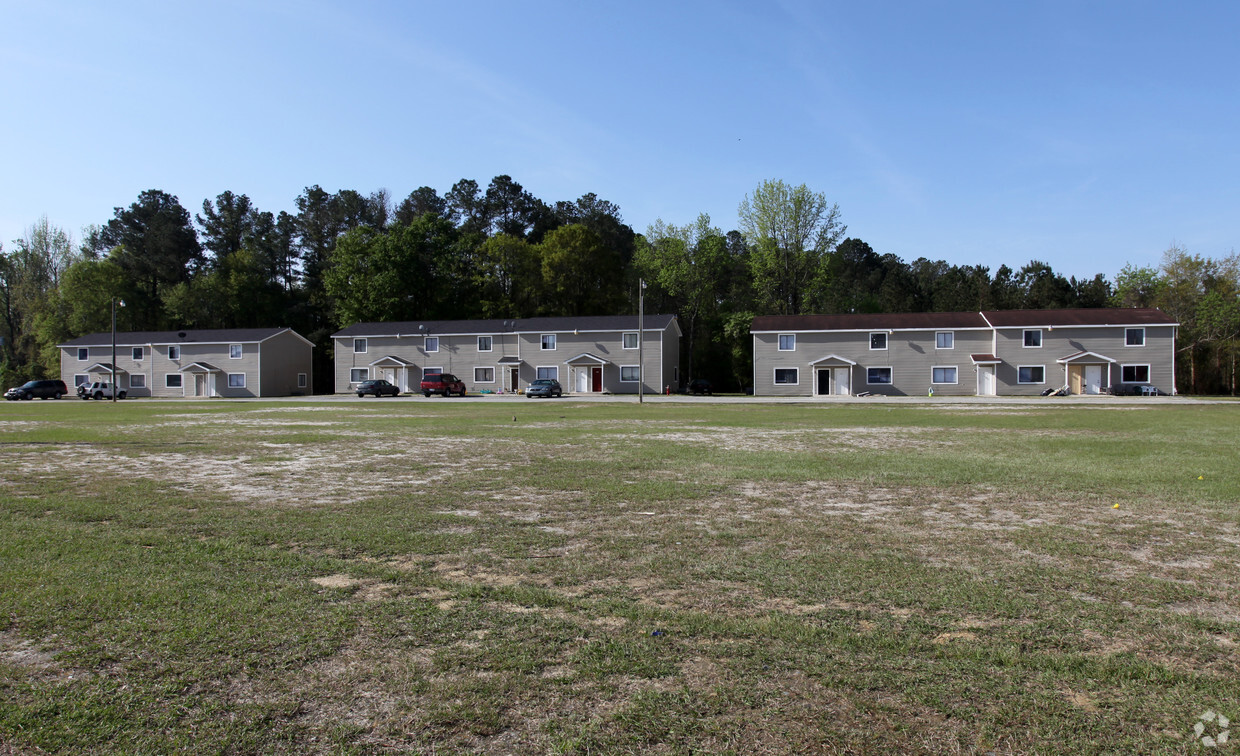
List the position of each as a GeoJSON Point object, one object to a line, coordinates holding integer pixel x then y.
{"type": "Point", "coordinates": [466, 577]}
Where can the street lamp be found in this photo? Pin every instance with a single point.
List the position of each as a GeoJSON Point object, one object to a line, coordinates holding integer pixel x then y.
{"type": "Point", "coordinates": [641, 328]}
{"type": "Point", "coordinates": [122, 303]}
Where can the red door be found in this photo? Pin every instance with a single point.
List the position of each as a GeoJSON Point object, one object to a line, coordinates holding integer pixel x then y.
{"type": "Point", "coordinates": [596, 375]}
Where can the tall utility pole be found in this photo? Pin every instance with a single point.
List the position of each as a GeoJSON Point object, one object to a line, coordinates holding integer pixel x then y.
{"type": "Point", "coordinates": [114, 350]}
{"type": "Point", "coordinates": [641, 335]}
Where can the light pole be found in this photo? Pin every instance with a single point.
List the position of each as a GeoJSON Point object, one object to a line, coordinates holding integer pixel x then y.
{"type": "Point", "coordinates": [113, 350]}
{"type": "Point", "coordinates": [641, 335]}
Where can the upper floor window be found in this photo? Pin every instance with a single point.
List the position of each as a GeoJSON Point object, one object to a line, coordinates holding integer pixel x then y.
{"type": "Point", "coordinates": [83, 353]}
{"type": "Point", "coordinates": [1033, 337]}
{"type": "Point", "coordinates": [630, 340]}
{"type": "Point", "coordinates": [137, 353]}
{"type": "Point", "coordinates": [945, 340]}
{"type": "Point", "coordinates": [234, 351]}
{"type": "Point", "coordinates": [431, 344]}
{"type": "Point", "coordinates": [484, 343]}
{"type": "Point", "coordinates": [1134, 337]}
{"type": "Point", "coordinates": [787, 342]}
{"type": "Point", "coordinates": [878, 340]}
{"type": "Point", "coordinates": [359, 346]}
{"type": "Point", "coordinates": [548, 341]}
{"type": "Point", "coordinates": [174, 352]}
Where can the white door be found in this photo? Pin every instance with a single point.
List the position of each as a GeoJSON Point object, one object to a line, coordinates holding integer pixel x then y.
{"type": "Point", "coordinates": [583, 381]}
{"type": "Point", "coordinates": [200, 384]}
{"type": "Point", "coordinates": [1093, 379]}
{"type": "Point", "coordinates": [841, 375]}
{"type": "Point", "coordinates": [986, 380]}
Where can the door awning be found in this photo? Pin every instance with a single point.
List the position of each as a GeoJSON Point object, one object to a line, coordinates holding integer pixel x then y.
{"type": "Point", "coordinates": [391, 361]}
{"type": "Point", "coordinates": [985, 359]}
{"type": "Point", "coordinates": [1084, 358]}
{"type": "Point", "coordinates": [200, 367]}
{"type": "Point", "coordinates": [585, 358]}
{"type": "Point", "coordinates": [104, 367]}
{"type": "Point", "coordinates": [832, 359]}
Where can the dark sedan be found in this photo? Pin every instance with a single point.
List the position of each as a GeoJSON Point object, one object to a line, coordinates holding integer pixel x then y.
{"type": "Point", "coordinates": [544, 387]}
{"type": "Point", "coordinates": [378, 387]}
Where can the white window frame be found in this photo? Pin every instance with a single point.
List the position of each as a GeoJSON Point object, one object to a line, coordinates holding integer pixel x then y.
{"type": "Point", "coordinates": [140, 378]}
{"type": "Point", "coordinates": [1134, 330]}
{"type": "Point", "coordinates": [490, 344]}
{"type": "Point", "coordinates": [179, 377]}
{"type": "Point", "coordinates": [136, 353]}
{"type": "Point", "coordinates": [636, 375]}
{"type": "Point", "coordinates": [364, 372]}
{"type": "Point", "coordinates": [303, 380]}
{"type": "Point", "coordinates": [542, 341]}
{"type": "Point", "coordinates": [624, 340]}
{"type": "Point", "coordinates": [955, 371]}
{"type": "Point", "coordinates": [555, 372]}
{"type": "Point", "coordinates": [484, 380]}
{"type": "Point", "coordinates": [951, 339]}
{"type": "Point", "coordinates": [891, 376]}
{"type": "Point", "coordinates": [232, 385]}
{"type": "Point", "coordinates": [428, 342]}
{"type": "Point", "coordinates": [80, 379]}
{"type": "Point", "coordinates": [1031, 367]}
{"type": "Point", "coordinates": [792, 339]}
{"type": "Point", "coordinates": [1024, 338]}
{"type": "Point", "coordinates": [1148, 373]}
{"type": "Point", "coordinates": [359, 346]}
{"type": "Point", "coordinates": [235, 351]}
{"type": "Point", "coordinates": [430, 371]}
{"type": "Point", "coordinates": [796, 375]}
{"type": "Point", "coordinates": [174, 352]}
{"type": "Point", "coordinates": [886, 340]}
{"type": "Point", "coordinates": [83, 354]}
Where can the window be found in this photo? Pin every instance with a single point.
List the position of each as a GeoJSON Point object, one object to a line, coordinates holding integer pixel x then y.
{"type": "Point", "coordinates": [431, 344]}
{"type": "Point", "coordinates": [878, 375]}
{"type": "Point", "coordinates": [137, 380]}
{"type": "Point", "coordinates": [81, 379]}
{"type": "Point", "coordinates": [548, 341]}
{"type": "Point", "coordinates": [549, 373]}
{"type": "Point", "coordinates": [137, 353]}
{"type": "Point", "coordinates": [787, 342]}
{"type": "Point", "coordinates": [630, 340]}
{"type": "Point", "coordinates": [1031, 374]}
{"type": "Point", "coordinates": [359, 346]}
{"type": "Point", "coordinates": [1134, 374]}
{"type": "Point", "coordinates": [786, 377]}
{"type": "Point", "coordinates": [174, 352]}
{"type": "Point", "coordinates": [431, 371]}
{"type": "Point", "coordinates": [878, 340]}
{"type": "Point", "coordinates": [234, 351]}
{"type": "Point", "coordinates": [357, 375]}
{"type": "Point", "coordinates": [629, 374]}
{"type": "Point", "coordinates": [83, 354]}
{"type": "Point", "coordinates": [1033, 338]}
{"type": "Point", "coordinates": [484, 375]}
{"type": "Point", "coordinates": [172, 380]}
{"type": "Point", "coordinates": [484, 343]}
{"type": "Point", "coordinates": [945, 340]}
{"type": "Point", "coordinates": [1134, 337]}
{"type": "Point", "coordinates": [302, 380]}
{"type": "Point", "coordinates": [943, 375]}
{"type": "Point", "coordinates": [236, 380]}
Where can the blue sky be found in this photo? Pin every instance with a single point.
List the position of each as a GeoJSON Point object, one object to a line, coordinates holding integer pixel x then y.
{"type": "Point", "coordinates": [1087, 135]}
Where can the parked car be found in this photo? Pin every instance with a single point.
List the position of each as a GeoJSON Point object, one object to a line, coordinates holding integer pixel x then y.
{"type": "Point", "coordinates": [700, 386]}
{"type": "Point", "coordinates": [442, 383]}
{"type": "Point", "coordinates": [98, 390]}
{"type": "Point", "coordinates": [47, 389]}
{"type": "Point", "coordinates": [544, 387]}
{"type": "Point", "coordinates": [378, 387]}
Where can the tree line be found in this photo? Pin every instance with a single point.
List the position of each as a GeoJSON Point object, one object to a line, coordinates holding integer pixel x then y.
{"type": "Point", "coordinates": [500, 252]}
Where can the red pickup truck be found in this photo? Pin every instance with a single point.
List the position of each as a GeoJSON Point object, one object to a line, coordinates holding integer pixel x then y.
{"type": "Point", "coordinates": [442, 383]}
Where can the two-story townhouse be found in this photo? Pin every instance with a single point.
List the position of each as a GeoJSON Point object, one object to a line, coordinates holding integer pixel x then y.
{"type": "Point", "coordinates": [587, 355]}
{"type": "Point", "coordinates": [1009, 353]}
{"type": "Point", "coordinates": [234, 362]}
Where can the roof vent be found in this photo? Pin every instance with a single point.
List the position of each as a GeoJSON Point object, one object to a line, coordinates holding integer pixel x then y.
{"type": "Point", "coordinates": [181, 335]}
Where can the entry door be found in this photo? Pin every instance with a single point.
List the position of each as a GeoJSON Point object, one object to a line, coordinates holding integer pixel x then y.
{"type": "Point", "coordinates": [200, 384]}
{"type": "Point", "coordinates": [824, 381]}
{"type": "Point", "coordinates": [1093, 379]}
{"type": "Point", "coordinates": [596, 379]}
{"type": "Point", "coordinates": [986, 380]}
{"type": "Point", "coordinates": [583, 381]}
{"type": "Point", "coordinates": [514, 379]}
{"type": "Point", "coordinates": [842, 381]}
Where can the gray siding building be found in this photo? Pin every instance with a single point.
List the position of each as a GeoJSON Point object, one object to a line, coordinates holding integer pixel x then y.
{"type": "Point", "coordinates": [992, 353]}
{"type": "Point", "coordinates": [586, 355]}
{"type": "Point", "coordinates": [231, 362]}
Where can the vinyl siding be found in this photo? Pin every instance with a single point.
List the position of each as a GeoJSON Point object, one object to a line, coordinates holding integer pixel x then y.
{"type": "Point", "coordinates": [283, 357]}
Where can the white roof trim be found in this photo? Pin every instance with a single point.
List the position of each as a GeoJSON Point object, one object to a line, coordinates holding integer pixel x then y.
{"type": "Point", "coordinates": [1078, 356]}
{"type": "Point", "coordinates": [845, 360]}
{"type": "Point", "coordinates": [586, 357]}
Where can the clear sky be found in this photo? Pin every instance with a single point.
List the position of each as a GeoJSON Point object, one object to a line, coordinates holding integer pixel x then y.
{"type": "Point", "coordinates": [1088, 135]}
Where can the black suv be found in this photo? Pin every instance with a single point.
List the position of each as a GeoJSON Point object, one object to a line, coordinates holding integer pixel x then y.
{"type": "Point", "coordinates": [41, 389]}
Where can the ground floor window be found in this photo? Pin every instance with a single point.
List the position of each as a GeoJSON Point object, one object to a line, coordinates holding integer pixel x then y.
{"type": "Point", "coordinates": [81, 379]}
{"type": "Point", "coordinates": [484, 375]}
{"type": "Point", "coordinates": [878, 375]}
{"type": "Point", "coordinates": [943, 375]}
{"type": "Point", "coordinates": [1031, 374]}
{"type": "Point", "coordinates": [137, 380]}
{"type": "Point", "coordinates": [357, 375]}
{"type": "Point", "coordinates": [236, 380]}
{"type": "Point", "coordinates": [172, 380]}
{"type": "Point", "coordinates": [786, 377]}
{"type": "Point", "coordinates": [1135, 374]}
{"type": "Point", "coordinates": [548, 374]}
{"type": "Point", "coordinates": [629, 373]}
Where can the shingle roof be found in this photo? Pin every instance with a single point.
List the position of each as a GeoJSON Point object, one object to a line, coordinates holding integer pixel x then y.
{"type": "Point", "coordinates": [519, 325]}
{"type": "Point", "coordinates": [188, 336]}
{"type": "Point", "coordinates": [1102, 316]}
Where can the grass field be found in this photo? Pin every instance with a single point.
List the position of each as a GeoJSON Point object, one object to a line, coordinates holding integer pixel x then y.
{"type": "Point", "coordinates": [471, 577]}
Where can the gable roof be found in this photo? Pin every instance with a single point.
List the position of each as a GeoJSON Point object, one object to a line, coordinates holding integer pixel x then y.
{"type": "Point", "coordinates": [188, 336]}
{"type": "Point", "coordinates": [915, 321]}
{"type": "Point", "coordinates": [515, 325]}
{"type": "Point", "coordinates": [1098, 316]}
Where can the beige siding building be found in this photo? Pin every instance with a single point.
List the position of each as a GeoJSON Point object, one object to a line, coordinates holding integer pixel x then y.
{"type": "Point", "coordinates": [587, 355]}
{"type": "Point", "coordinates": [237, 362]}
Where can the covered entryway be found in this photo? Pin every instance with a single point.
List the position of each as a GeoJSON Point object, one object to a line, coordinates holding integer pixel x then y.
{"type": "Point", "coordinates": [202, 379]}
{"type": "Point", "coordinates": [510, 374]}
{"type": "Point", "coordinates": [832, 376]}
{"type": "Point", "coordinates": [1087, 373]}
{"type": "Point", "coordinates": [986, 366]}
{"type": "Point", "coordinates": [586, 373]}
{"type": "Point", "coordinates": [395, 370]}
{"type": "Point", "coordinates": [102, 372]}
